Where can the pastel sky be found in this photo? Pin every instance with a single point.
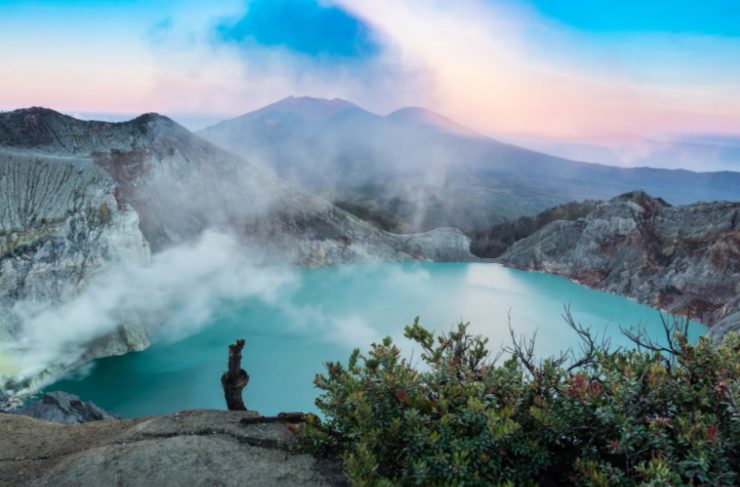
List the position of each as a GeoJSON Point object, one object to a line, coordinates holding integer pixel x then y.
{"type": "Point", "coordinates": [542, 67]}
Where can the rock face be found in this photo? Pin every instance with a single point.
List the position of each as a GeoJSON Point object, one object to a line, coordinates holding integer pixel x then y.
{"type": "Point", "coordinates": [61, 407]}
{"type": "Point", "coordinates": [79, 197]}
{"type": "Point", "coordinates": [198, 448]}
{"type": "Point", "coordinates": [60, 218]}
{"type": "Point", "coordinates": [684, 259]}
{"type": "Point", "coordinates": [60, 223]}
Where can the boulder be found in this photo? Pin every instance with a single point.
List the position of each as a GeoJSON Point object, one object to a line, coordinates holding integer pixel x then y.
{"type": "Point", "coordinates": [61, 407]}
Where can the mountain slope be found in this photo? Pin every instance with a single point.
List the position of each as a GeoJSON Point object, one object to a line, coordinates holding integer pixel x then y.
{"type": "Point", "coordinates": [80, 198]}
{"type": "Point", "coordinates": [425, 170]}
{"type": "Point", "coordinates": [685, 259]}
{"type": "Point", "coordinates": [422, 116]}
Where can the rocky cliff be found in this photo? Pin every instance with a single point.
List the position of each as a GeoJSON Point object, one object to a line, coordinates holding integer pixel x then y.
{"type": "Point", "coordinates": [79, 197]}
{"type": "Point", "coordinates": [60, 223]}
{"type": "Point", "coordinates": [684, 259]}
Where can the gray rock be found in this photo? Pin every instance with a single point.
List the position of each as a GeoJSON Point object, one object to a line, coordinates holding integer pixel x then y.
{"type": "Point", "coordinates": [61, 407]}
{"type": "Point", "coordinates": [198, 448]}
{"type": "Point", "coordinates": [441, 244]}
{"type": "Point", "coordinates": [725, 325]}
{"type": "Point", "coordinates": [61, 224]}
{"type": "Point", "coordinates": [684, 259]}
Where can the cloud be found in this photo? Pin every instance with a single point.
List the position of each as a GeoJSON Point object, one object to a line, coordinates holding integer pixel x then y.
{"type": "Point", "coordinates": [244, 58]}
{"type": "Point", "coordinates": [304, 26]}
{"type": "Point", "coordinates": [503, 68]}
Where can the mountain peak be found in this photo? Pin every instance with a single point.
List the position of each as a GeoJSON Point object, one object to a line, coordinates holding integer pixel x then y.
{"type": "Point", "coordinates": [315, 101]}
{"type": "Point", "coordinates": [152, 118]}
{"type": "Point", "coordinates": [305, 107]}
{"type": "Point", "coordinates": [309, 107]}
{"type": "Point", "coordinates": [51, 131]}
{"type": "Point", "coordinates": [33, 127]}
{"type": "Point", "coordinates": [33, 115]}
{"type": "Point", "coordinates": [36, 110]}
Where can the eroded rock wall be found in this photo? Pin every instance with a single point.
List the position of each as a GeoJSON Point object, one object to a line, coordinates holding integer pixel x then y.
{"type": "Point", "coordinates": [60, 224]}
{"type": "Point", "coordinates": [685, 259]}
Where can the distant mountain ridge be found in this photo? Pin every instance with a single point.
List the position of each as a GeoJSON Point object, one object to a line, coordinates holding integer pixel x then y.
{"type": "Point", "coordinates": [423, 170]}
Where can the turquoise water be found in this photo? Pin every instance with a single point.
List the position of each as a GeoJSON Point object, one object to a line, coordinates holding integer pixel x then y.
{"type": "Point", "coordinates": [329, 312]}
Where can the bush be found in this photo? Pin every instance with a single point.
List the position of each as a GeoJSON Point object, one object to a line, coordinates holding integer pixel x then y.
{"type": "Point", "coordinates": [655, 415]}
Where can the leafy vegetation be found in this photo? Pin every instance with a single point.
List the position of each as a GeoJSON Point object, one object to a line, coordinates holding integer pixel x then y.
{"type": "Point", "coordinates": [657, 414]}
{"type": "Point", "coordinates": [494, 241]}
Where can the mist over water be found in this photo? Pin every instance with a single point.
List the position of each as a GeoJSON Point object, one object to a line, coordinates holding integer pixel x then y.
{"type": "Point", "coordinates": [322, 314]}
{"type": "Point", "coordinates": [180, 291]}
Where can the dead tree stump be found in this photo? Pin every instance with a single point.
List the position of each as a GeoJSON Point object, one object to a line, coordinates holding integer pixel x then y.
{"type": "Point", "coordinates": [235, 379]}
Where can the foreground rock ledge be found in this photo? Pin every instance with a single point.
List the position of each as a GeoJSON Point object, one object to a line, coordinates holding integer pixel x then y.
{"type": "Point", "coordinates": [194, 448]}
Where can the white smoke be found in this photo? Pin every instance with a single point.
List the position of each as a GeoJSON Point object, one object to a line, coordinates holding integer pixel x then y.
{"type": "Point", "coordinates": [177, 294]}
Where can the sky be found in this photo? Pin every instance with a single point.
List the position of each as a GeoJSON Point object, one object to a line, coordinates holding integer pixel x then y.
{"type": "Point", "coordinates": [556, 68]}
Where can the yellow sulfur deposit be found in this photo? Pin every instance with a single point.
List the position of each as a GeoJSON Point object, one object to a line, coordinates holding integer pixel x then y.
{"type": "Point", "coordinates": [8, 368]}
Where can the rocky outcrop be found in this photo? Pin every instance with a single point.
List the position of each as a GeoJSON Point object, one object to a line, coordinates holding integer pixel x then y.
{"type": "Point", "coordinates": [440, 244]}
{"type": "Point", "coordinates": [684, 259]}
{"type": "Point", "coordinates": [61, 407]}
{"type": "Point", "coordinates": [725, 325]}
{"type": "Point", "coordinates": [197, 448]}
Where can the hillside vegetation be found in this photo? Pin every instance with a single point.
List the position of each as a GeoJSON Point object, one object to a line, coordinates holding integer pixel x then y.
{"type": "Point", "coordinates": [660, 414]}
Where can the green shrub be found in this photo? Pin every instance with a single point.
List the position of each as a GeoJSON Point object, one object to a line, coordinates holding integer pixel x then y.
{"type": "Point", "coordinates": [655, 415]}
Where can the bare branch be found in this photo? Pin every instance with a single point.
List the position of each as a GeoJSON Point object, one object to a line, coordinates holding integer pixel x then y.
{"type": "Point", "coordinates": [589, 346]}
{"type": "Point", "coordinates": [523, 349]}
{"type": "Point", "coordinates": [675, 333]}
